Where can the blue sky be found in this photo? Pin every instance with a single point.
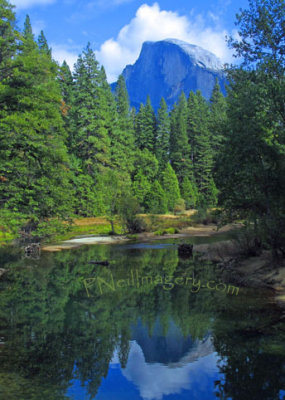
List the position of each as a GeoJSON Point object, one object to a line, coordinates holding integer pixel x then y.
{"type": "Point", "coordinates": [116, 29]}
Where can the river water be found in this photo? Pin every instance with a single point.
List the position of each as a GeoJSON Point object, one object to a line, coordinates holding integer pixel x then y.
{"type": "Point", "coordinates": [148, 326]}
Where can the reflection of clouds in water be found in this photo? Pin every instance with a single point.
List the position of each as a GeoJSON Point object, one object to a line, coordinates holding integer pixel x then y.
{"type": "Point", "coordinates": [157, 380]}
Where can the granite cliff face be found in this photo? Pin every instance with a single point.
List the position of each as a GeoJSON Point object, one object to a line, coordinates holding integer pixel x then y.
{"type": "Point", "coordinates": [167, 67]}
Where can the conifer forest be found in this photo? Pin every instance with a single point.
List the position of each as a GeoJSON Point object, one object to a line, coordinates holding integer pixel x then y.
{"type": "Point", "coordinates": [70, 147]}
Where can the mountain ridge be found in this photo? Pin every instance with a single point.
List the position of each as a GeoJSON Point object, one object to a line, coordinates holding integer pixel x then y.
{"type": "Point", "coordinates": [167, 67]}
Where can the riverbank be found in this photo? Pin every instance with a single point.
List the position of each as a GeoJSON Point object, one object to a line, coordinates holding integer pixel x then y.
{"type": "Point", "coordinates": [260, 271]}
{"type": "Point", "coordinates": [155, 223]}
{"type": "Point", "coordinates": [189, 232]}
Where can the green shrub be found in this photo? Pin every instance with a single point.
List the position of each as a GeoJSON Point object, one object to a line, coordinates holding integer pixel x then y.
{"type": "Point", "coordinates": [49, 228]}
{"type": "Point", "coordinates": [129, 208]}
{"type": "Point", "coordinates": [167, 231]}
{"type": "Point", "coordinates": [205, 217]}
{"type": "Point", "coordinates": [172, 231]}
{"type": "Point", "coordinates": [159, 232]}
{"type": "Point", "coordinates": [179, 206]}
{"type": "Point", "coordinates": [11, 222]}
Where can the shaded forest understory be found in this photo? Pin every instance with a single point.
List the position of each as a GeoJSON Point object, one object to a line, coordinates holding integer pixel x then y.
{"type": "Point", "coordinates": [70, 148]}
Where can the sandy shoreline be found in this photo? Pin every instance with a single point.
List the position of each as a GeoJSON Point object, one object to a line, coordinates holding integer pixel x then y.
{"type": "Point", "coordinates": [198, 231]}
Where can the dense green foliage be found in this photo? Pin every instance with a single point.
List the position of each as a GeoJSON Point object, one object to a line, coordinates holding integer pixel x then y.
{"type": "Point", "coordinates": [69, 146]}
{"type": "Point", "coordinates": [251, 170]}
{"type": "Point", "coordinates": [34, 162]}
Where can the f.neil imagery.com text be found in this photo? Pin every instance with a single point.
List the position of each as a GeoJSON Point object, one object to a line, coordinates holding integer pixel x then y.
{"type": "Point", "coordinates": [134, 280]}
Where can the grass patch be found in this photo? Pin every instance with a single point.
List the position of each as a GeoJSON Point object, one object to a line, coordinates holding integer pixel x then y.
{"type": "Point", "coordinates": [162, 222]}
{"type": "Point", "coordinates": [6, 237]}
{"type": "Point", "coordinates": [78, 228]}
{"type": "Point", "coordinates": [168, 231]}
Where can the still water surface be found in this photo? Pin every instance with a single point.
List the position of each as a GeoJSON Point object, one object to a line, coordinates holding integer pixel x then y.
{"type": "Point", "coordinates": [136, 329]}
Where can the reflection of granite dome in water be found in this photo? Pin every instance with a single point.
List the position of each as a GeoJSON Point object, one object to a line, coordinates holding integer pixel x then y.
{"type": "Point", "coordinates": [171, 348]}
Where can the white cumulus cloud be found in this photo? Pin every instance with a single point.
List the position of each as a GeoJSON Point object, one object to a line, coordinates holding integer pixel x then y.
{"type": "Point", "coordinates": [22, 4]}
{"type": "Point", "coordinates": [65, 53]}
{"type": "Point", "coordinates": [152, 23]}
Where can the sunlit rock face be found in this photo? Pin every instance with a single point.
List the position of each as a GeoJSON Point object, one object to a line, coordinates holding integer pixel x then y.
{"type": "Point", "coordinates": [167, 67]}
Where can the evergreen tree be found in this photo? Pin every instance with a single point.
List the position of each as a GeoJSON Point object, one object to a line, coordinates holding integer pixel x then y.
{"type": "Point", "coordinates": [171, 186]}
{"type": "Point", "coordinates": [92, 143]}
{"type": "Point", "coordinates": [93, 125]}
{"type": "Point", "coordinates": [218, 119]}
{"type": "Point", "coordinates": [253, 169]}
{"type": "Point", "coordinates": [120, 152]}
{"type": "Point", "coordinates": [162, 134]}
{"type": "Point", "coordinates": [179, 146]}
{"type": "Point", "coordinates": [123, 146]}
{"type": "Point", "coordinates": [147, 163]}
{"type": "Point", "coordinates": [9, 38]}
{"type": "Point", "coordinates": [261, 33]}
{"type": "Point", "coordinates": [28, 31]}
{"type": "Point", "coordinates": [139, 124]}
{"type": "Point", "coordinates": [34, 160]}
{"type": "Point", "coordinates": [141, 187]}
{"type": "Point", "coordinates": [66, 83]}
{"type": "Point", "coordinates": [122, 99]}
{"type": "Point", "coordinates": [43, 44]}
{"type": "Point", "coordinates": [145, 173]}
{"type": "Point", "coordinates": [199, 137]}
{"type": "Point", "coordinates": [88, 199]}
{"type": "Point", "coordinates": [145, 127]}
{"type": "Point", "coordinates": [189, 193]}
{"type": "Point", "coordinates": [67, 102]}
{"type": "Point", "coordinates": [156, 199]}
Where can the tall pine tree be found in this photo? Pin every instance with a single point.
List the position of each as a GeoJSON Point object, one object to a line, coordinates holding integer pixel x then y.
{"type": "Point", "coordinates": [171, 187]}
{"type": "Point", "coordinates": [162, 134]}
{"type": "Point", "coordinates": [43, 44]}
{"type": "Point", "coordinates": [123, 146]}
{"type": "Point", "coordinates": [217, 119]}
{"type": "Point", "coordinates": [179, 146]}
{"type": "Point", "coordinates": [9, 38]}
{"type": "Point", "coordinates": [34, 161]}
{"type": "Point", "coordinates": [92, 142]}
{"type": "Point", "coordinates": [200, 140]}
{"type": "Point", "coordinates": [145, 127]}
{"type": "Point", "coordinates": [66, 82]}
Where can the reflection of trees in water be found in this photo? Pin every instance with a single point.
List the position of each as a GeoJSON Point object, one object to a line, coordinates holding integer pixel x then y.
{"type": "Point", "coordinates": [54, 332]}
{"type": "Point", "coordinates": [250, 343]}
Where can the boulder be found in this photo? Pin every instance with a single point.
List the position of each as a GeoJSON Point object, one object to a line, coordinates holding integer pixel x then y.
{"type": "Point", "coordinates": [185, 250]}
